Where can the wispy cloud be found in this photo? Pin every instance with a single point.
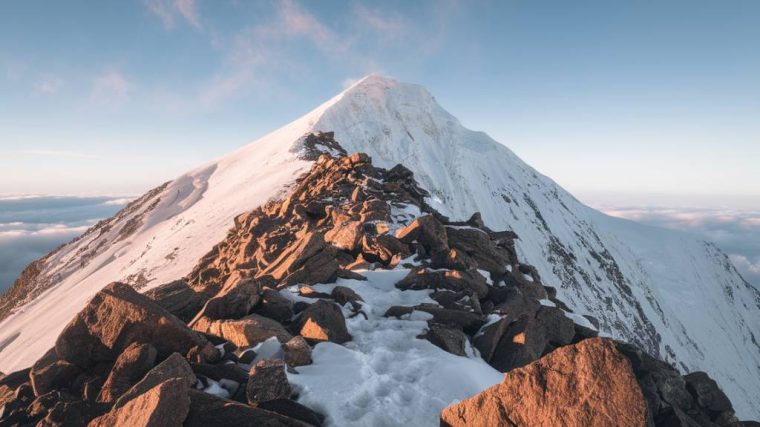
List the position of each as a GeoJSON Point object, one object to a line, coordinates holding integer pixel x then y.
{"type": "Point", "coordinates": [111, 88]}
{"type": "Point", "coordinates": [170, 11]}
{"type": "Point", "coordinates": [57, 153]}
{"type": "Point", "coordinates": [49, 85]}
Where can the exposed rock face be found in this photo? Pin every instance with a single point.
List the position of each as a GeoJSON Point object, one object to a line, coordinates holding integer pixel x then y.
{"type": "Point", "coordinates": [174, 367]}
{"type": "Point", "coordinates": [115, 318]}
{"type": "Point", "coordinates": [587, 384]}
{"type": "Point", "coordinates": [245, 332]}
{"type": "Point", "coordinates": [323, 321]}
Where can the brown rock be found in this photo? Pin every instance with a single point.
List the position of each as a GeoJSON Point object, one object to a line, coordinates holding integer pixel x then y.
{"type": "Point", "coordinates": [166, 404]}
{"type": "Point", "coordinates": [294, 410]}
{"type": "Point", "coordinates": [586, 384]}
{"type": "Point", "coordinates": [468, 321]}
{"type": "Point", "coordinates": [449, 339]}
{"type": "Point", "coordinates": [178, 299]}
{"type": "Point", "coordinates": [478, 246]}
{"type": "Point", "coordinates": [49, 373]}
{"type": "Point", "coordinates": [343, 295]}
{"type": "Point", "coordinates": [345, 235]}
{"type": "Point", "coordinates": [234, 301]}
{"type": "Point", "coordinates": [297, 352]}
{"type": "Point", "coordinates": [129, 368]}
{"type": "Point", "coordinates": [457, 281]}
{"type": "Point", "coordinates": [9, 383]}
{"type": "Point", "coordinates": [175, 366]}
{"type": "Point", "coordinates": [267, 381]}
{"type": "Point", "coordinates": [245, 332]}
{"type": "Point", "coordinates": [116, 317]}
{"type": "Point", "coordinates": [428, 231]}
{"type": "Point", "coordinates": [208, 410]}
{"type": "Point", "coordinates": [323, 321]}
{"type": "Point", "coordinates": [275, 306]}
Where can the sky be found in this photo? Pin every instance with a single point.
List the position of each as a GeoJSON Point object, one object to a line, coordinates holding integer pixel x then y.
{"type": "Point", "coordinates": [646, 109]}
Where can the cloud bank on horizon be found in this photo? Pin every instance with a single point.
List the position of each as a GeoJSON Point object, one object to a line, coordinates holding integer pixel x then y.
{"type": "Point", "coordinates": [736, 232]}
{"type": "Point", "coordinates": [32, 226]}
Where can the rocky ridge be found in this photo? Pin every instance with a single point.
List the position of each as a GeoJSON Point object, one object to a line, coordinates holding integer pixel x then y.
{"type": "Point", "coordinates": [218, 345]}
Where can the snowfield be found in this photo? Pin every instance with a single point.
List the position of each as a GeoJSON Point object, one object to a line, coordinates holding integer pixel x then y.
{"type": "Point", "coordinates": [671, 293]}
{"type": "Point", "coordinates": [385, 376]}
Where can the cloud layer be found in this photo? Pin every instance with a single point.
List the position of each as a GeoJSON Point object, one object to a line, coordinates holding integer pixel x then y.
{"type": "Point", "coordinates": [32, 226]}
{"type": "Point", "coordinates": [736, 232]}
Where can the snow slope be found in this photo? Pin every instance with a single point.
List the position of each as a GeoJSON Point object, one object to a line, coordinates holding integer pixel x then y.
{"type": "Point", "coordinates": [673, 294]}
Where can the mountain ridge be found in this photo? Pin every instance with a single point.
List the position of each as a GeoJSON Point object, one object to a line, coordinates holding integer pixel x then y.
{"type": "Point", "coordinates": [602, 266]}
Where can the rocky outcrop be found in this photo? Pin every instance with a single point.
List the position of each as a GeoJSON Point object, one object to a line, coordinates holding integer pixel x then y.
{"type": "Point", "coordinates": [117, 317]}
{"type": "Point", "coordinates": [587, 384]}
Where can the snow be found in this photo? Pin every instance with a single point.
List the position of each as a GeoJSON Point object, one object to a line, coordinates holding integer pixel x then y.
{"type": "Point", "coordinates": [706, 315]}
{"type": "Point", "coordinates": [386, 376]}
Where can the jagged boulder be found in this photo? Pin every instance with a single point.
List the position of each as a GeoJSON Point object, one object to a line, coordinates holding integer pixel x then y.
{"type": "Point", "coordinates": [323, 321]}
{"type": "Point", "coordinates": [174, 367]}
{"type": "Point", "coordinates": [455, 280]}
{"type": "Point", "coordinates": [274, 306]}
{"type": "Point", "coordinates": [166, 404]}
{"type": "Point", "coordinates": [267, 381]}
{"type": "Point", "coordinates": [297, 352]}
{"type": "Point", "coordinates": [130, 367]}
{"type": "Point", "coordinates": [49, 373]}
{"type": "Point", "coordinates": [245, 332]}
{"type": "Point", "coordinates": [294, 410]}
{"type": "Point", "coordinates": [208, 410]}
{"type": "Point", "coordinates": [428, 231]}
{"type": "Point", "coordinates": [116, 317]}
{"type": "Point", "coordinates": [447, 338]}
{"type": "Point", "coordinates": [178, 298]}
{"type": "Point", "coordinates": [586, 384]}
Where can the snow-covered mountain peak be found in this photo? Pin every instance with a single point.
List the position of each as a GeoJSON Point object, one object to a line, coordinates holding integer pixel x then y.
{"type": "Point", "coordinates": [673, 295]}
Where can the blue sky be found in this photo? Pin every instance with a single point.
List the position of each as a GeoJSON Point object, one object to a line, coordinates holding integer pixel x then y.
{"type": "Point", "coordinates": [653, 101]}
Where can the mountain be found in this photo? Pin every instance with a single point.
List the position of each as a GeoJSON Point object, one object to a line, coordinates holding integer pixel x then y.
{"type": "Point", "coordinates": [671, 294]}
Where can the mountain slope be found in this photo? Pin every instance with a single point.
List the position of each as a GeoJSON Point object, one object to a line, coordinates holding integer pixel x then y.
{"type": "Point", "coordinates": [670, 293]}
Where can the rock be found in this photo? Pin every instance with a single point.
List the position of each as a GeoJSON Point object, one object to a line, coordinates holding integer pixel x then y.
{"type": "Point", "coordinates": [297, 352]}
{"type": "Point", "coordinates": [294, 410]}
{"type": "Point", "coordinates": [208, 410]}
{"type": "Point", "coordinates": [129, 368]}
{"type": "Point", "coordinates": [457, 281]}
{"type": "Point", "coordinates": [49, 373]}
{"type": "Point", "coordinates": [323, 321]}
{"type": "Point", "coordinates": [116, 317]}
{"type": "Point", "coordinates": [247, 331]}
{"type": "Point", "coordinates": [40, 407]}
{"type": "Point", "coordinates": [488, 338]}
{"type": "Point", "coordinates": [586, 384]}
{"type": "Point", "coordinates": [178, 299]}
{"type": "Point", "coordinates": [383, 248]}
{"type": "Point", "coordinates": [345, 235]}
{"type": "Point", "coordinates": [663, 387]}
{"type": "Point", "coordinates": [222, 371]}
{"type": "Point", "coordinates": [398, 311]}
{"type": "Point", "coordinates": [465, 320]}
{"type": "Point", "coordinates": [707, 393]}
{"type": "Point", "coordinates": [478, 246]}
{"type": "Point", "coordinates": [235, 300]}
{"type": "Point", "coordinates": [343, 295]}
{"type": "Point", "coordinates": [275, 306]}
{"type": "Point", "coordinates": [428, 231]}
{"type": "Point", "coordinates": [166, 404]}
{"type": "Point", "coordinates": [174, 367]}
{"type": "Point", "coordinates": [267, 381]}
{"type": "Point", "coordinates": [449, 339]}
{"type": "Point", "coordinates": [529, 337]}
{"type": "Point", "coordinates": [73, 414]}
